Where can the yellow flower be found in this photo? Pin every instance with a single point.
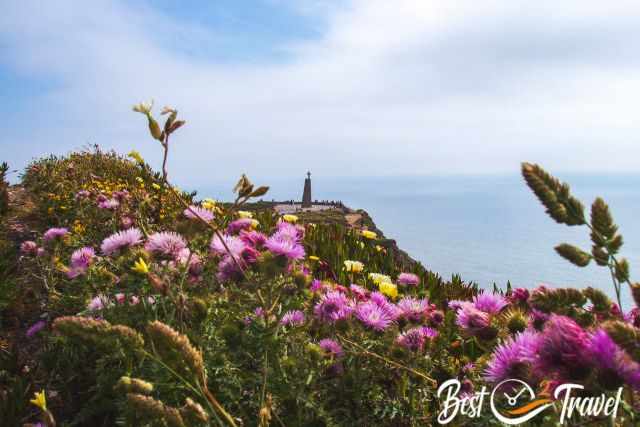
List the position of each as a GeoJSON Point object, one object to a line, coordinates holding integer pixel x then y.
{"type": "Point", "coordinates": [313, 258]}
{"type": "Point", "coordinates": [140, 266]}
{"type": "Point", "coordinates": [39, 400]}
{"type": "Point", "coordinates": [209, 204]}
{"type": "Point", "coordinates": [254, 223]}
{"type": "Point", "coordinates": [389, 289]}
{"type": "Point", "coordinates": [156, 186]}
{"type": "Point", "coordinates": [353, 266]}
{"type": "Point", "coordinates": [369, 234]}
{"type": "Point", "coordinates": [379, 248]}
{"type": "Point", "coordinates": [290, 218]}
{"type": "Point", "coordinates": [136, 156]}
{"type": "Point", "coordinates": [245, 214]}
{"type": "Point", "coordinates": [378, 278]}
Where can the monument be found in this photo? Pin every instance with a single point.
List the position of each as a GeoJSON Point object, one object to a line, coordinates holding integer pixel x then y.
{"type": "Point", "coordinates": [306, 194]}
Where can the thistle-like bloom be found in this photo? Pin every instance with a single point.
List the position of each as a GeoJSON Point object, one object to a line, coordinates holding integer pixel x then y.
{"type": "Point", "coordinates": [195, 212]}
{"type": "Point", "coordinates": [408, 279]}
{"type": "Point", "coordinates": [293, 318]}
{"type": "Point", "coordinates": [97, 303]}
{"type": "Point", "coordinates": [489, 303]}
{"type": "Point", "coordinates": [240, 224]}
{"type": "Point", "coordinates": [616, 367]}
{"type": "Point", "coordinates": [331, 347]}
{"type": "Point", "coordinates": [353, 266]}
{"type": "Point", "coordinates": [511, 359]}
{"type": "Point", "coordinates": [120, 240]}
{"type": "Point", "coordinates": [358, 291]}
{"type": "Point", "coordinates": [472, 320]}
{"type": "Point", "coordinates": [109, 204]}
{"type": "Point", "coordinates": [235, 245]}
{"type": "Point", "coordinates": [563, 350]}
{"type": "Point", "coordinates": [332, 307]}
{"type": "Point", "coordinates": [54, 233]}
{"type": "Point", "coordinates": [253, 238]}
{"type": "Point", "coordinates": [166, 243]}
{"type": "Point", "coordinates": [373, 316]}
{"type": "Point", "coordinates": [413, 309]}
{"type": "Point", "coordinates": [290, 231]}
{"type": "Point", "coordinates": [35, 328]}
{"type": "Point", "coordinates": [83, 257]}
{"type": "Point", "coordinates": [28, 248]}
{"type": "Point", "coordinates": [519, 295]}
{"type": "Point", "coordinates": [282, 246]}
{"type": "Point", "coordinates": [412, 339]}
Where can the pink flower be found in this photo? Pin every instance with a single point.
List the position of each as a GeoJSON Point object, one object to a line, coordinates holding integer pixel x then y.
{"type": "Point", "coordinates": [408, 279]}
{"type": "Point", "coordinates": [166, 243]}
{"type": "Point", "coordinates": [120, 240]}
{"type": "Point", "coordinates": [54, 233]}
{"type": "Point", "coordinates": [195, 212]}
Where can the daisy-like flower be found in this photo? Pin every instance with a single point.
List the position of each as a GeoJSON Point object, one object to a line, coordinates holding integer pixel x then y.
{"type": "Point", "coordinates": [413, 309]}
{"type": "Point", "coordinates": [353, 266]}
{"type": "Point", "coordinates": [358, 291]}
{"type": "Point", "coordinates": [54, 233]}
{"type": "Point", "coordinates": [293, 318]}
{"type": "Point", "coordinates": [166, 243]}
{"type": "Point", "coordinates": [290, 231]}
{"type": "Point", "coordinates": [140, 266]}
{"type": "Point", "coordinates": [120, 240]}
{"type": "Point", "coordinates": [282, 246]}
{"type": "Point", "coordinates": [253, 238]}
{"type": "Point", "coordinates": [388, 289]}
{"type": "Point", "coordinates": [235, 245]}
{"type": "Point", "coordinates": [373, 316]}
{"type": "Point", "coordinates": [489, 303]}
{"type": "Point", "coordinates": [331, 347]}
{"type": "Point", "coordinates": [615, 366]}
{"type": "Point", "coordinates": [332, 307]}
{"type": "Point", "coordinates": [511, 359]}
{"type": "Point", "coordinates": [408, 279]}
{"type": "Point", "coordinates": [97, 303]}
{"type": "Point", "coordinates": [472, 320]}
{"type": "Point", "coordinates": [195, 212]}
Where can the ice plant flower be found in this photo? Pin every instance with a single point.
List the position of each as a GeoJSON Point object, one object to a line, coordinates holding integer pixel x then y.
{"type": "Point", "coordinates": [290, 218]}
{"type": "Point", "coordinates": [378, 278]}
{"type": "Point", "coordinates": [373, 316]}
{"type": "Point", "coordinates": [489, 303]}
{"type": "Point", "coordinates": [120, 240]}
{"type": "Point", "coordinates": [39, 400]}
{"type": "Point", "coordinates": [369, 234]}
{"type": "Point", "coordinates": [332, 307]}
{"type": "Point", "coordinates": [331, 347]}
{"type": "Point", "coordinates": [616, 367]}
{"type": "Point", "coordinates": [412, 339]}
{"type": "Point", "coordinates": [282, 246]}
{"type": "Point", "coordinates": [245, 214]}
{"type": "Point", "coordinates": [140, 266]}
{"type": "Point", "coordinates": [28, 248]}
{"type": "Point", "coordinates": [511, 359]}
{"type": "Point", "coordinates": [410, 279]}
{"type": "Point", "coordinates": [235, 245]}
{"type": "Point", "coordinates": [253, 238]}
{"type": "Point", "coordinates": [413, 309]}
{"type": "Point", "coordinates": [97, 303]}
{"type": "Point", "coordinates": [197, 212]}
{"type": "Point", "coordinates": [388, 289]}
{"type": "Point", "coordinates": [293, 318]}
{"type": "Point", "coordinates": [166, 243]}
{"type": "Point", "coordinates": [54, 233]}
{"type": "Point", "coordinates": [353, 266]}
{"type": "Point", "coordinates": [83, 257]}
{"type": "Point", "coordinates": [240, 224]}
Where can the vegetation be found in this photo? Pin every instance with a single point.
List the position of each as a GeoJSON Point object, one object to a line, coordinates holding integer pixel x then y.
{"type": "Point", "coordinates": [130, 302]}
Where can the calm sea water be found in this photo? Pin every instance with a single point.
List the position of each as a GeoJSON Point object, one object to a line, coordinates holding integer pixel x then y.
{"type": "Point", "coordinates": [489, 229]}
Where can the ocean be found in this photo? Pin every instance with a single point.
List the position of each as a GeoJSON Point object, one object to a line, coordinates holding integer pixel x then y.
{"type": "Point", "coordinates": [488, 229]}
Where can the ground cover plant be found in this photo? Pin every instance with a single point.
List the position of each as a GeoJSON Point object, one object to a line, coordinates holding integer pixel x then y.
{"type": "Point", "coordinates": [131, 302]}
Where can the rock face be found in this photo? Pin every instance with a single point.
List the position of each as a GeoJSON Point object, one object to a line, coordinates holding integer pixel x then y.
{"type": "Point", "coordinates": [306, 194]}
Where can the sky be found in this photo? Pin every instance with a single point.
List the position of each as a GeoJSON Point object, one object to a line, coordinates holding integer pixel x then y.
{"type": "Point", "coordinates": [273, 88]}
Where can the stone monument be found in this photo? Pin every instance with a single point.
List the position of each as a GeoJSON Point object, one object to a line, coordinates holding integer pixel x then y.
{"type": "Point", "coordinates": [306, 194]}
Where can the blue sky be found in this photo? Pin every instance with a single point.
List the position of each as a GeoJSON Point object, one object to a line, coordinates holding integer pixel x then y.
{"type": "Point", "coordinates": [352, 87]}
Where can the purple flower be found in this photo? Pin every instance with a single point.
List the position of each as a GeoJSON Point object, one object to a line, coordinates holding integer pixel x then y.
{"type": "Point", "coordinates": [413, 309]}
{"type": "Point", "coordinates": [290, 231]}
{"type": "Point", "coordinates": [562, 350]}
{"type": "Point", "coordinates": [519, 295]}
{"type": "Point", "coordinates": [166, 243]}
{"type": "Point", "coordinates": [331, 347]}
{"type": "Point", "coordinates": [126, 222]}
{"type": "Point", "coordinates": [35, 328]}
{"type": "Point", "coordinates": [511, 358]}
{"type": "Point", "coordinates": [408, 279]}
{"type": "Point", "coordinates": [358, 291]}
{"type": "Point", "coordinates": [82, 194]}
{"type": "Point", "coordinates": [54, 233]}
{"type": "Point", "coordinates": [235, 245]}
{"type": "Point", "coordinates": [436, 317]}
{"type": "Point", "coordinates": [332, 307]}
{"type": "Point", "coordinates": [293, 318]}
{"type": "Point", "coordinates": [373, 316]}
{"type": "Point", "coordinates": [110, 204]}
{"type": "Point", "coordinates": [195, 212]}
{"type": "Point", "coordinates": [317, 285]}
{"type": "Point", "coordinates": [120, 240]}
{"type": "Point", "coordinates": [472, 320]}
{"type": "Point", "coordinates": [412, 339]}
{"type": "Point", "coordinates": [82, 258]}
{"type": "Point", "coordinates": [489, 303]}
{"type": "Point", "coordinates": [239, 224]}
{"type": "Point", "coordinates": [429, 332]}
{"type": "Point", "coordinates": [253, 238]}
{"type": "Point", "coordinates": [195, 262]}
{"type": "Point", "coordinates": [97, 303]}
{"type": "Point", "coordinates": [283, 246]}
{"type": "Point", "coordinates": [28, 248]}
{"type": "Point", "coordinates": [615, 365]}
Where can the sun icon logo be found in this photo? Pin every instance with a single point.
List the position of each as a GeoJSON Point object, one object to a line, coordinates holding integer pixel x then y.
{"type": "Point", "coordinates": [513, 390]}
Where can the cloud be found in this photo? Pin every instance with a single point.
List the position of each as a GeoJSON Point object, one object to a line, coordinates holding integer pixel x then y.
{"type": "Point", "coordinates": [403, 87]}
